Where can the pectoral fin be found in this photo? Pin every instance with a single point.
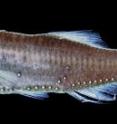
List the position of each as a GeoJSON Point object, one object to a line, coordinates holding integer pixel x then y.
{"type": "Point", "coordinates": [7, 78]}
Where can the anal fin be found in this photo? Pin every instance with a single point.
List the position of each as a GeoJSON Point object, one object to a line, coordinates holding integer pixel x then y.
{"type": "Point", "coordinates": [34, 95]}
{"type": "Point", "coordinates": [97, 94]}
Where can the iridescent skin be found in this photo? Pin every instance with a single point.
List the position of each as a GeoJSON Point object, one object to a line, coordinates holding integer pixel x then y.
{"type": "Point", "coordinates": [48, 63]}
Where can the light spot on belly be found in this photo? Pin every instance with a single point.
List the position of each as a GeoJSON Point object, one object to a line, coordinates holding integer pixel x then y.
{"type": "Point", "coordinates": [43, 87]}
{"type": "Point", "coordinates": [64, 77]}
{"type": "Point", "coordinates": [112, 79]}
{"type": "Point", "coordinates": [6, 90]}
{"type": "Point", "coordinates": [28, 88]}
{"type": "Point", "coordinates": [73, 85]}
{"type": "Point", "coordinates": [78, 83]}
{"type": "Point", "coordinates": [36, 87]}
{"type": "Point", "coordinates": [59, 81]}
{"type": "Point", "coordinates": [2, 89]}
{"type": "Point", "coordinates": [84, 82]}
{"type": "Point", "coordinates": [90, 82]}
{"type": "Point", "coordinates": [19, 74]}
{"type": "Point", "coordinates": [95, 81]}
{"type": "Point", "coordinates": [67, 67]}
{"type": "Point", "coordinates": [49, 87]}
{"type": "Point", "coordinates": [106, 79]}
{"type": "Point", "coordinates": [100, 80]}
{"type": "Point", "coordinates": [56, 88]}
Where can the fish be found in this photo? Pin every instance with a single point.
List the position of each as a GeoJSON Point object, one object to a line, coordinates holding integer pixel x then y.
{"type": "Point", "coordinates": [77, 63]}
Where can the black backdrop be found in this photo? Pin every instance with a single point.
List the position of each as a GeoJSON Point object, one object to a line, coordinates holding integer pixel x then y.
{"type": "Point", "coordinates": [36, 20]}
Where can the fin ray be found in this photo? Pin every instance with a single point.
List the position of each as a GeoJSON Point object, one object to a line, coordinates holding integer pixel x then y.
{"type": "Point", "coordinates": [35, 95]}
{"type": "Point", "coordinates": [84, 36]}
{"type": "Point", "coordinates": [7, 78]}
{"type": "Point", "coordinates": [97, 94]}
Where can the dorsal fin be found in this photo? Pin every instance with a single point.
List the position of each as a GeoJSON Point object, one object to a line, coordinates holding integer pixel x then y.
{"type": "Point", "coordinates": [86, 36]}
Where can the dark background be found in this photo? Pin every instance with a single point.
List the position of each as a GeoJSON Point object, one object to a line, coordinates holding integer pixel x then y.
{"type": "Point", "coordinates": [60, 17]}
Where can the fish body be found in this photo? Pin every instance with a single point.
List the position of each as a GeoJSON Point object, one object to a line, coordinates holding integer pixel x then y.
{"type": "Point", "coordinates": [59, 62]}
